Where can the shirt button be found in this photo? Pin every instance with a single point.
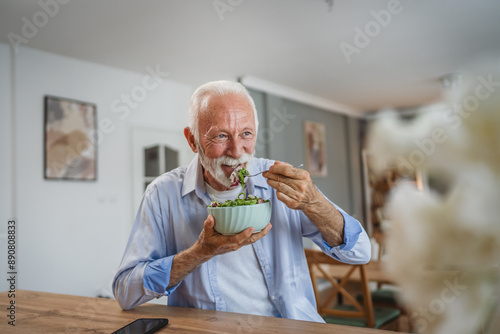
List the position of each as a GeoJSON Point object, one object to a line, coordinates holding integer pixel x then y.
{"type": "Point", "coordinates": [273, 298]}
{"type": "Point", "coordinates": [266, 266]}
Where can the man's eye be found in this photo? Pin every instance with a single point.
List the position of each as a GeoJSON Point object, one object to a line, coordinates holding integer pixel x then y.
{"type": "Point", "coordinates": [247, 133]}
{"type": "Point", "coordinates": [221, 136]}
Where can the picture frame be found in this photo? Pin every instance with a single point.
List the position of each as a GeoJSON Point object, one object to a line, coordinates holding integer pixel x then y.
{"type": "Point", "coordinates": [315, 148]}
{"type": "Point", "coordinates": [70, 151]}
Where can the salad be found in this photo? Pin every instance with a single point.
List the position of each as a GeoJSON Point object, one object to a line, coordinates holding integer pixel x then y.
{"type": "Point", "coordinates": [238, 177]}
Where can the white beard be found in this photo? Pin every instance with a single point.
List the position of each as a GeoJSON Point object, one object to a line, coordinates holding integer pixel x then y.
{"type": "Point", "coordinates": [213, 166]}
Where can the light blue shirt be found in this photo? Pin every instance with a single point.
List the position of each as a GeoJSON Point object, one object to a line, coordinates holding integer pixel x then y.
{"type": "Point", "coordinates": [170, 219]}
{"type": "Point", "coordinates": [239, 277]}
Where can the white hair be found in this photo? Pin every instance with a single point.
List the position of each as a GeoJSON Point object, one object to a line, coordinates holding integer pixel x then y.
{"type": "Point", "coordinates": [199, 101]}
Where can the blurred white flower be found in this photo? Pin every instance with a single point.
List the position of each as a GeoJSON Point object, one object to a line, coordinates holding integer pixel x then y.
{"type": "Point", "coordinates": [444, 242]}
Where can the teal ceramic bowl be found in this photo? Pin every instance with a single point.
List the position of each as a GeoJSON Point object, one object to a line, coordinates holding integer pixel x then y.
{"type": "Point", "coordinates": [233, 220]}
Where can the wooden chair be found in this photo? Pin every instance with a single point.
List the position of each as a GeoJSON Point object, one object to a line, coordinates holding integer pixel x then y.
{"type": "Point", "coordinates": [353, 313]}
{"type": "Point", "coordinates": [384, 297]}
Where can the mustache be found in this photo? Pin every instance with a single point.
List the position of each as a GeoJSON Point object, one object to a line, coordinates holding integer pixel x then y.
{"type": "Point", "coordinates": [226, 160]}
{"type": "Point", "coordinates": [214, 166]}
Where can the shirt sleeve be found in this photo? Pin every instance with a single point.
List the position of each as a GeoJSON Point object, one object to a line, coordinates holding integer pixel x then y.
{"type": "Point", "coordinates": [144, 272]}
{"type": "Point", "coordinates": [356, 248]}
{"type": "Point", "coordinates": [157, 276]}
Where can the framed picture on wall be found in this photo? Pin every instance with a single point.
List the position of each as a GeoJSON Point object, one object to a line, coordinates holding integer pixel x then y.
{"type": "Point", "coordinates": [70, 151]}
{"type": "Point", "coordinates": [315, 146]}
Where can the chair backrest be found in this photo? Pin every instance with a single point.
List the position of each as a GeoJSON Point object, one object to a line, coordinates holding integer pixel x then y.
{"type": "Point", "coordinates": [318, 264]}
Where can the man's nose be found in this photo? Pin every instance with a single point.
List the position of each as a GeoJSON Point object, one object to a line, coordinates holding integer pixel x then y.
{"type": "Point", "coordinates": [235, 149]}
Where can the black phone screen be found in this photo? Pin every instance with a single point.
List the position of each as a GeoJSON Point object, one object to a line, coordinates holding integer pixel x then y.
{"type": "Point", "coordinates": [142, 326]}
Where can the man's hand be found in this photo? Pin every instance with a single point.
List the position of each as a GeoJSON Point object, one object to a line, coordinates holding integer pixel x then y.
{"type": "Point", "coordinates": [209, 244]}
{"type": "Point", "coordinates": [212, 243]}
{"type": "Point", "coordinates": [294, 186]}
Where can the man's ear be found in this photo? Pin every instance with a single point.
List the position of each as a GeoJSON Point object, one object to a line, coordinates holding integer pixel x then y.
{"type": "Point", "coordinates": [190, 139]}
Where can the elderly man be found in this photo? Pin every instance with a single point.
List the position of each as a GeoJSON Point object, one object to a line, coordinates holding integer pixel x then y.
{"type": "Point", "coordinates": [174, 250]}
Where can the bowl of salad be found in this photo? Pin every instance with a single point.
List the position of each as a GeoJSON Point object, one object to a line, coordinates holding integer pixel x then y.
{"type": "Point", "coordinates": [234, 216]}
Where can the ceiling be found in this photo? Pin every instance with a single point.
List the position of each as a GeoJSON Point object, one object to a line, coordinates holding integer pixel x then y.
{"type": "Point", "coordinates": [293, 43]}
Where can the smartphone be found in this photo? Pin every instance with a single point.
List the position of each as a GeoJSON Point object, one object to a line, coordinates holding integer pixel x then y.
{"type": "Point", "coordinates": [143, 326]}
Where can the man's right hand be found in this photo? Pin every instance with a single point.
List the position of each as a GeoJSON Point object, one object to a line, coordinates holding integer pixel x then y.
{"type": "Point", "coordinates": [212, 243]}
{"type": "Point", "coordinates": [209, 244]}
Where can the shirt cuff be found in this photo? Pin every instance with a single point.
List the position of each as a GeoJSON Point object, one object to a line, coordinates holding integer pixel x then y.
{"type": "Point", "coordinates": [157, 276]}
{"type": "Point", "coordinates": [352, 230]}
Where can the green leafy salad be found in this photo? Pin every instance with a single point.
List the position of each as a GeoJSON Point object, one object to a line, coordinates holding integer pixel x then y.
{"type": "Point", "coordinates": [238, 177]}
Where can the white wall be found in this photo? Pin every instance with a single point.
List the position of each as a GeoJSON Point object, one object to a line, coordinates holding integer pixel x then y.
{"type": "Point", "coordinates": [72, 234]}
{"type": "Point", "coordinates": [5, 154]}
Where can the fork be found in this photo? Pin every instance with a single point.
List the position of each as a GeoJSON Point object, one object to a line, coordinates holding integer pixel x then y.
{"type": "Point", "coordinates": [298, 166]}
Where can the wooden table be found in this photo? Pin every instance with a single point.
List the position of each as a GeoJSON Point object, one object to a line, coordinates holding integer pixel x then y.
{"type": "Point", "coordinates": [41, 312]}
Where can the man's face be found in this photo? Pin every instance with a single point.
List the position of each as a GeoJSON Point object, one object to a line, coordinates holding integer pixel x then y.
{"type": "Point", "coordinates": [227, 137]}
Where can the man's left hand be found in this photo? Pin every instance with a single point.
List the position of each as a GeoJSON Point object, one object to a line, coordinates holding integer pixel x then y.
{"type": "Point", "coordinates": [294, 186]}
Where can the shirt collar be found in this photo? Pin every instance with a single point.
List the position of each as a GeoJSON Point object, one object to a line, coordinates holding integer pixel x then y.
{"type": "Point", "coordinates": [257, 181]}
{"type": "Point", "coordinates": [193, 179]}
